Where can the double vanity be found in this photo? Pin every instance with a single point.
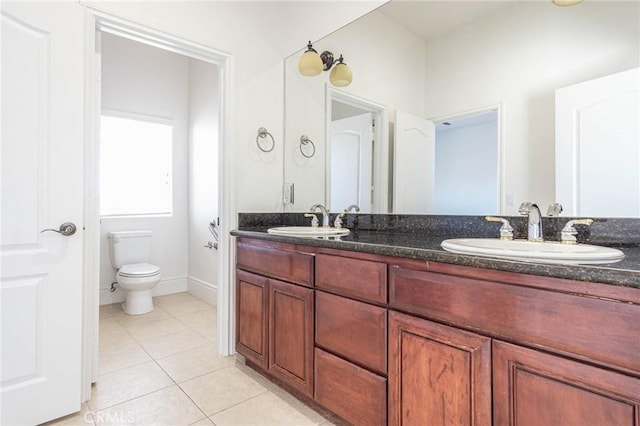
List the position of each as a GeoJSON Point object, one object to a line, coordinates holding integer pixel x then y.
{"type": "Point", "coordinates": [384, 326]}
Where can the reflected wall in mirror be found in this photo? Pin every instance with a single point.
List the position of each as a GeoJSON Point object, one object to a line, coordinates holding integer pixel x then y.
{"type": "Point", "coordinates": [438, 60]}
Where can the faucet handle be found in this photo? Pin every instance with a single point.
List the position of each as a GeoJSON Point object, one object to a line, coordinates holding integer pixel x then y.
{"type": "Point", "coordinates": [554, 209]}
{"type": "Point", "coordinates": [568, 233]}
{"type": "Point", "coordinates": [314, 219]}
{"type": "Point", "coordinates": [338, 222]}
{"type": "Point", "coordinates": [506, 230]}
{"type": "Point", "coordinates": [526, 207]}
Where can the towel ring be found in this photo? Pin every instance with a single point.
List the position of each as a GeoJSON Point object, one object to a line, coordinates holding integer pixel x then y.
{"type": "Point", "coordinates": [262, 134]}
{"type": "Point", "coordinates": [304, 140]}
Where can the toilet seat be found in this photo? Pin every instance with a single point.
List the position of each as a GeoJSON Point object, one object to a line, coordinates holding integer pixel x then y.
{"type": "Point", "coordinates": [139, 270]}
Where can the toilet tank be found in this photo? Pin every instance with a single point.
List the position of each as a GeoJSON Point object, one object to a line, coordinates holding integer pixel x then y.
{"type": "Point", "coordinates": [128, 247]}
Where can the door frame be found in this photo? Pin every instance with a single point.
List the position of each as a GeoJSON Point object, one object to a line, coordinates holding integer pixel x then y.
{"type": "Point", "coordinates": [100, 21]}
{"type": "Point", "coordinates": [380, 179]}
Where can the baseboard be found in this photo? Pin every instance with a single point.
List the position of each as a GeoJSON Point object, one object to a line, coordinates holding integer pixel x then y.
{"type": "Point", "coordinates": [166, 286]}
{"type": "Point", "coordinates": [203, 290]}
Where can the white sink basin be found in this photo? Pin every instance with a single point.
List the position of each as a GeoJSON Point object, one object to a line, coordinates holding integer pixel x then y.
{"type": "Point", "coordinates": [547, 251]}
{"type": "Point", "coordinates": [308, 231]}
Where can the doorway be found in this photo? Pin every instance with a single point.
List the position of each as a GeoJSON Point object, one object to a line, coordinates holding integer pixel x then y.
{"type": "Point", "coordinates": [203, 180]}
{"type": "Point", "coordinates": [467, 166]}
{"type": "Point", "coordinates": [357, 143]}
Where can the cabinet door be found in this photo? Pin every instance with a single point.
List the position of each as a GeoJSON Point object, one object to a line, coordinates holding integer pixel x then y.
{"type": "Point", "coordinates": [252, 320]}
{"type": "Point", "coordinates": [438, 375]}
{"type": "Point", "coordinates": [291, 334]}
{"type": "Point", "coordinates": [535, 388]}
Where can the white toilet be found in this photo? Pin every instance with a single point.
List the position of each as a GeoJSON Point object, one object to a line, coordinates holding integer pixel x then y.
{"type": "Point", "coordinates": [130, 252]}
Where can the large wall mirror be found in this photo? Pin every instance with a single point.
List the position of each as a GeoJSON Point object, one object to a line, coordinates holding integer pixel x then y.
{"type": "Point", "coordinates": [453, 110]}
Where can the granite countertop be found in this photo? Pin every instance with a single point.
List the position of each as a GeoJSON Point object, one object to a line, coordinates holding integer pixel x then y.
{"type": "Point", "coordinates": [423, 243]}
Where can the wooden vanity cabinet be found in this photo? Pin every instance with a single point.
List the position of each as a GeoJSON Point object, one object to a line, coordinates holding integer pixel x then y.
{"type": "Point", "coordinates": [437, 374]}
{"type": "Point", "coordinates": [533, 388]}
{"type": "Point", "coordinates": [274, 318]}
{"type": "Point", "coordinates": [291, 334]}
{"type": "Point", "coordinates": [380, 340]}
{"type": "Point", "coordinates": [351, 338]}
{"type": "Point", "coordinates": [252, 319]}
{"type": "Point", "coordinates": [539, 351]}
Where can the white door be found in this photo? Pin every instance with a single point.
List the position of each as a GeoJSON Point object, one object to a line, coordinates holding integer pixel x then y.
{"type": "Point", "coordinates": [413, 165]}
{"type": "Point", "coordinates": [351, 162]}
{"type": "Point", "coordinates": [598, 146]}
{"type": "Point", "coordinates": [42, 184]}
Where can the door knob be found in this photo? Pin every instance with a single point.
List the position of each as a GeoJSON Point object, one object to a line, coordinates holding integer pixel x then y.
{"type": "Point", "coordinates": [67, 229]}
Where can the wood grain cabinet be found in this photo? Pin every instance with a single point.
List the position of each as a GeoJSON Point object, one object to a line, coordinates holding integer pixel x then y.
{"type": "Point", "coordinates": [532, 388]}
{"type": "Point", "coordinates": [291, 334]}
{"type": "Point", "coordinates": [252, 319]}
{"type": "Point", "coordinates": [380, 340]}
{"type": "Point", "coordinates": [438, 375]}
{"type": "Point", "coordinates": [274, 318]}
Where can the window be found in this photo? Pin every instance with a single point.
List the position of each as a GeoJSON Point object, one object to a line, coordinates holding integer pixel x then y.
{"type": "Point", "coordinates": [135, 166]}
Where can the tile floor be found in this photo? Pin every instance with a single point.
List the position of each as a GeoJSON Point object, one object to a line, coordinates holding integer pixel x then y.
{"type": "Point", "coordinates": [162, 368]}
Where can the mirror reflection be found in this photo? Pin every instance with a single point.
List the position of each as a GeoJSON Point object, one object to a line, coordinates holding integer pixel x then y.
{"type": "Point", "coordinates": [461, 101]}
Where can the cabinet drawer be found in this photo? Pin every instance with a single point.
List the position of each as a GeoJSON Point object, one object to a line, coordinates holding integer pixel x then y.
{"type": "Point", "coordinates": [286, 265]}
{"type": "Point", "coordinates": [363, 279]}
{"type": "Point", "coordinates": [597, 330]}
{"type": "Point", "coordinates": [352, 329]}
{"type": "Point", "coordinates": [353, 393]}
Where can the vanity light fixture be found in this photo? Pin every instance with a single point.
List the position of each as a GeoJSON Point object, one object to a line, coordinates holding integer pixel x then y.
{"type": "Point", "coordinates": [311, 64]}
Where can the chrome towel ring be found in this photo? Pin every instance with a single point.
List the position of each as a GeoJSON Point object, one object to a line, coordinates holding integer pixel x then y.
{"type": "Point", "coordinates": [304, 141]}
{"type": "Point", "coordinates": [262, 134]}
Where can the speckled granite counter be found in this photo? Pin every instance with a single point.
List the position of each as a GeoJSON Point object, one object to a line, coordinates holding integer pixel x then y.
{"type": "Point", "coordinates": [419, 237]}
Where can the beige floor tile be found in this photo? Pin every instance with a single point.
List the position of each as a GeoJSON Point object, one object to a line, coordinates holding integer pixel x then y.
{"type": "Point", "coordinates": [116, 357]}
{"type": "Point", "coordinates": [298, 405]}
{"type": "Point", "coordinates": [84, 417]}
{"type": "Point", "coordinates": [190, 364]}
{"type": "Point", "coordinates": [174, 299]}
{"type": "Point", "coordinates": [203, 422]}
{"type": "Point", "coordinates": [174, 343]}
{"type": "Point", "coordinates": [208, 332]}
{"type": "Point", "coordinates": [222, 389]}
{"type": "Point", "coordinates": [204, 317]}
{"type": "Point", "coordinates": [111, 333]}
{"type": "Point", "coordinates": [156, 315]}
{"type": "Point", "coordinates": [184, 308]}
{"type": "Point", "coordinates": [109, 311]}
{"type": "Point", "coordinates": [168, 406]}
{"type": "Point", "coordinates": [266, 409]}
{"type": "Point", "coordinates": [127, 383]}
{"type": "Point", "coordinates": [152, 330]}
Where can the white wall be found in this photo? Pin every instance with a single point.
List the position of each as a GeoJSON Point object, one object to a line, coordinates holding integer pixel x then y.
{"type": "Point", "coordinates": [140, 79]}
{"type": "Point", "coordinates": [509, 61]}
{"type": "Point", "coordinates": [466, 170]}
{"type": "Point", "coordinates": [204, 102]}
{"type": "Point", "coordinates": [388, 69]}
{"type": "Point", "coordinates": [259, 35]}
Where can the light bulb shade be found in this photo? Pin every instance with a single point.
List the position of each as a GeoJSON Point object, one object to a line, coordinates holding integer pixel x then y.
{"type": "Point", "coordinates": [341, 75]}
{"type": "Point", "coordinates": [565, 3]}
{"type": "Point", "coordinates": [310, 64]}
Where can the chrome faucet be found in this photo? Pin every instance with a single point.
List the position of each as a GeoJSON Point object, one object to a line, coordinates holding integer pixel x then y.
{"type": "Point", "coordinates": [324, 211]}
{"type": "Point", "coordinates": [534, 222]}
{"type": "Point", "coordinates": [338, 222]}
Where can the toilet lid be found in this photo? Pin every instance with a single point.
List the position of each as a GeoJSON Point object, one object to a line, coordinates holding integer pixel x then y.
{"type": "Point", "coordinates": [139, 270]}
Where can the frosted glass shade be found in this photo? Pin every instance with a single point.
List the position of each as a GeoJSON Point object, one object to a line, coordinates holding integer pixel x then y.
{"type": "Point", "coordinates": [341, 75]}
{"type": "Point", "coordinates": [310, 64]}
{"type": "Point", "coordinates": [564, 3]}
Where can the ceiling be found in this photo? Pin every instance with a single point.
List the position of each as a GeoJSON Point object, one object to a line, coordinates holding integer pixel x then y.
{"type": "Point", "coordinates": [430, 19]}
